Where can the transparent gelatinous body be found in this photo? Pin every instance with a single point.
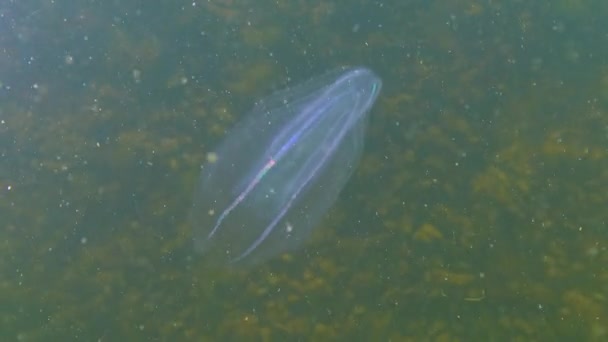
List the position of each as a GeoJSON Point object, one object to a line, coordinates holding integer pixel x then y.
{"type": "Point", "coordinates": [280, 169]}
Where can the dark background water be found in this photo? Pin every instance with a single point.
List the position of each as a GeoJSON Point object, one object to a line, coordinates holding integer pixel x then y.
{"type": "Point", "coordinates": [477, 213]}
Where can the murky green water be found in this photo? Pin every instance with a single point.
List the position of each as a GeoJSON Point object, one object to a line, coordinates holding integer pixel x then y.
{"type": "Point", "coordinates": [477, 213]}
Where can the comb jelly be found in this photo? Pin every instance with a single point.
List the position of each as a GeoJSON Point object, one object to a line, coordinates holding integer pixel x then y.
{"type": "Point", "coordinates": [281, 168]}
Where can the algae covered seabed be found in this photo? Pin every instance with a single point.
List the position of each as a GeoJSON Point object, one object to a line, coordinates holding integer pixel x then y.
{"type": "Point", "coordinates": [478, 212]}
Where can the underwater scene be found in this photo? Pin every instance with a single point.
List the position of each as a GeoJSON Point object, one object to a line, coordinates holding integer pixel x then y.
{"type": "Point", "coordinates": [287, 170]}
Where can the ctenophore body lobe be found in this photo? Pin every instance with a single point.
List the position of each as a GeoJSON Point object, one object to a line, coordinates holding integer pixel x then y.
{"type": "Point", "coordinates": [280, 169]}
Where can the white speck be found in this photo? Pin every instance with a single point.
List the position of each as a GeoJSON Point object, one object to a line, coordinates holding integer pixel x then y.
{"type": "Point", "coordinates": [136, 75]}
{"type": "Point", "coordinates": [211, 157]}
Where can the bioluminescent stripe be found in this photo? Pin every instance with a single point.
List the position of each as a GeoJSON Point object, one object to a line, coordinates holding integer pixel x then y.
{"type": "Point", "coordinates": [310, 119]}
{"type": "Point", "coordinates": [311, 114]}
{"type": "Point", "coordinates": [292, 140]}
{"type": "Point", "coordinates": [286, 207]}
{"type": "Point", "coordinates": [242, 195]}
{"type": "Point", "coordinates": [283, 211]}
